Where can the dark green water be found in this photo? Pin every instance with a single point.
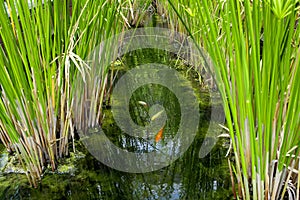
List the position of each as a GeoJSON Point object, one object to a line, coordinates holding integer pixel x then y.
{"type": "Point", "coordinates": [189, 177]}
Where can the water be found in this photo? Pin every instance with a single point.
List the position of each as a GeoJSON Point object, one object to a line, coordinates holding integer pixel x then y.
{"type": "Point", "coordinates": [3, 157]}
{"type": "Point", "coordinates": [189, 177]}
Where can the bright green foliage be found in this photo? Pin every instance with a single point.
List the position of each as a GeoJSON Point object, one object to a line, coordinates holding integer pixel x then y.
{"type": "Point", "coordinates": [255, 49]}
{"type": "Point", "coordinates": [43, 49]}
{"type": "Point", "coordinates": [254, 46]}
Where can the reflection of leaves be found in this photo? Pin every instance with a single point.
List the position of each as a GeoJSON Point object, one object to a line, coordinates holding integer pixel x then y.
{"type": "Point", "coordinates": [208, 175]}
{"type": "Point", "coordinates": [154, 94]}
{"type": "Point", "coordinates": [143, 56]}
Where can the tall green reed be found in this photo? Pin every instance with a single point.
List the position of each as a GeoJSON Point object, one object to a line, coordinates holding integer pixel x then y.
{"type": "Point", "coordinates": [43, 50]}
{"type": "Point", "coordinates": [255, 49]}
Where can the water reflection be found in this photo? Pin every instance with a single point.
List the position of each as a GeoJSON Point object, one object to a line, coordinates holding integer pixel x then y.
{"type": "Point", "coordinates": [189, 177]}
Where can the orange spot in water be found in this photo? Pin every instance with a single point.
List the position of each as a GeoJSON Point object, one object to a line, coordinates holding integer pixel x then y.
{"type": "Point", "coordinates": [159, 135]}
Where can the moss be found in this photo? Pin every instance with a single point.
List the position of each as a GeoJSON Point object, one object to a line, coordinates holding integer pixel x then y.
{"type": "Point", "coordinates": [11, 186]}
{"type": "Point", "coordinates": [68, 165]}
{"type": "Point", "coordinates": [4, 185]}
{"type": "Point", "coordinates": [66, 169]}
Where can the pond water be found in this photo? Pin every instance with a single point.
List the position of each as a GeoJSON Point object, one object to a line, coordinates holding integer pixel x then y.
{"type": "Point", "coordinates": [189, 177]}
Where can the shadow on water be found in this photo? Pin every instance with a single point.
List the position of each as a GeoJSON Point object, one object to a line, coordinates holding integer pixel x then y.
{"type": "Point", "coordinates": [189, 177]}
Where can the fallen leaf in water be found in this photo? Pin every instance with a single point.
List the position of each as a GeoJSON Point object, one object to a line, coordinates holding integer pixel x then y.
{"type": "Point", "coordinates": [156, 115]}
{"type": "Point", "coordinates": [143, 103]}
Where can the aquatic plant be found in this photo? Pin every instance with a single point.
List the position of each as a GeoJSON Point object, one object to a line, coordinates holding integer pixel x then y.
{"type": "Point", "coordinates": [42, 50]}
{"type": "Point", "coordinates": [255, 50]}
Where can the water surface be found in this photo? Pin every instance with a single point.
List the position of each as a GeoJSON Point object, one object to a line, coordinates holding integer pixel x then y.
{"type": "Point", "coordinates": [189, 177]}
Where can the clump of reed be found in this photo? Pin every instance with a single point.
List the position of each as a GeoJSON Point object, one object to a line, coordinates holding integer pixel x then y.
{"type": "Point", "coordinates": [44, 44]}
{"type": "Point", "coordinates": [254, 46]}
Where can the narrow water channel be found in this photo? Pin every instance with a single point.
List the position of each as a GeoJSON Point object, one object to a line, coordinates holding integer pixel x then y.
{"type": "Point", "coordinates": [189, 177]}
